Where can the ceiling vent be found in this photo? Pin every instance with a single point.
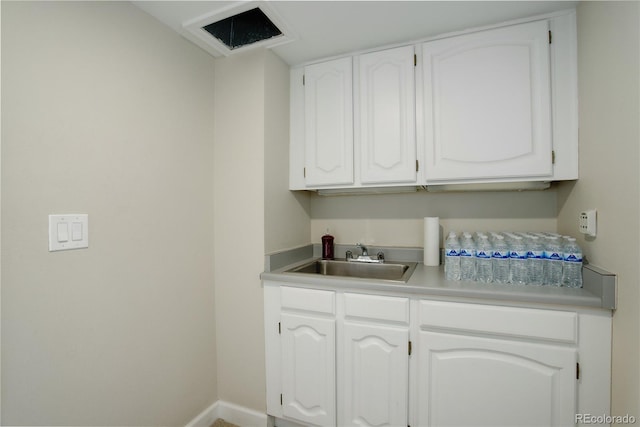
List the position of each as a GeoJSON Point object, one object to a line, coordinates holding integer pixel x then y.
{"type": "Point", "coordinates": [237, 28]}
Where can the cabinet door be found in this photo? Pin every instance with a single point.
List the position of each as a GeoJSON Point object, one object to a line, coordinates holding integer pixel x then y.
{"type": "Point", "coordinates": [465, 380]}
{"type": "Point", "coordinates": [387, 116]}
{"type": "Point", "coordinates": [329, 123]}
{"type": "Point", "coordinates": [308, 369]}
{"type": "Point", "coordinates": [376, 374]}
{"type": "Point", "coordinates": [487, 105]}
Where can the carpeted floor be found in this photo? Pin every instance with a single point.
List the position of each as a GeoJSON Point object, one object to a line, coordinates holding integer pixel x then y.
{"type": "Point", "coordinates": [222, 423]}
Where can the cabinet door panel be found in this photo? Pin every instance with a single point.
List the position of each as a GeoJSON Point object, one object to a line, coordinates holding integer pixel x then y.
{"type": "Point", "coordinates": [387, 116]}
{"type": "Point", "coordinates": [375, 375]}
{"type": "Point", "coordinates": [329, 123]}
{"type": "Point", "coordinates": [308, 369]}
{"type": "Point", "coordinates": [466, 380]}
{"type": "Point", "coordinates": [487, 104]}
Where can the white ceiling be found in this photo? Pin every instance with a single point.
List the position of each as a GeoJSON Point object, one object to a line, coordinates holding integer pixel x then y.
{"type": "Point", "coordinates": [329, 28]}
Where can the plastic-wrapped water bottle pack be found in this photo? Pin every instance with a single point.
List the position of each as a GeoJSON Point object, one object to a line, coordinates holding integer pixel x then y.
{"type": "Point", "coordinates": [531, 258]}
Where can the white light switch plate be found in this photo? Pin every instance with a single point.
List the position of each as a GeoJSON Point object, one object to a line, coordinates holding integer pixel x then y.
{"type": "Point", "coordinates": [70, 231]}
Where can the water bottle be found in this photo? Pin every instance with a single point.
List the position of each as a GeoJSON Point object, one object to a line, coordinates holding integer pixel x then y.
{"type": "Point", "coordinates": [452, 257]}
{"type": "Point", "coordinates": [518, 261]}
{"type": "Point", "coordinates": [500, 259]}
{"type": "Point", "coordinates": [484, 266]}
{"type": "Point", "coordinates": [572, 265]}
{"type": "Point", "coordinates": [509, 238]}
{"type": "Point", "coordinates": [467, 257]}
{"type": "Point", "coordinates": [535, 261]}
{"type": "Point", "coordinates": [553, 261]}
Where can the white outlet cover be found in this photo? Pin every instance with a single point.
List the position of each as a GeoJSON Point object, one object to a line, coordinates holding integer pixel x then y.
{"type": "Point", "coordinates": [587, 222]}
{"type": "Point", "coordinates": [68, 231]}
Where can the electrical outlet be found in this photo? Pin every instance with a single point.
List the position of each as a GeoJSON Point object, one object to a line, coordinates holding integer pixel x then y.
{"type": "Point", "coordinates": [587, 222]}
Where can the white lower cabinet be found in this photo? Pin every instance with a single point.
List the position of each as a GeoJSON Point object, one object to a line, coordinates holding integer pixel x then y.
{"type": "Point", "coordinates": [473, 381]}
{"type": "Point", "coordinates": [308, 368]}
{"type": "Point", "coordinates": [347, 358]}
{"type": "Point", "coordinates": [375, 377]}
{"type": "Point", "coordinates": [300, 338]}
{"type": "Point", "coordinates": [486, 365]}
{"type": "Point", "coordinates": [373, 361]}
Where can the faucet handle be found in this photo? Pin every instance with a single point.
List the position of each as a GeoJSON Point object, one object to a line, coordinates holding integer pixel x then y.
{"type": "Point", "coordinates": [348, 255]}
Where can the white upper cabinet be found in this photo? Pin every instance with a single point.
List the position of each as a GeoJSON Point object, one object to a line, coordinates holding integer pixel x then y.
{"type": "Point", "coordinates": [378, 147]}
{"type": "Point", "coordinates": [328, 124]}
{"type": "Point", "coordinates": [387, 116]}
{"type": "Point", "coordinates": [484, 106]}
{"type": "Point", "coordinates": [487, 104]}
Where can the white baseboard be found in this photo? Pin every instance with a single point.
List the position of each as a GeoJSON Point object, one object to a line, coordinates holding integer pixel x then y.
{"type": "Point", "coordinates": [205, 418]}
{"type": "Point", "coordinates": [236, 414]}
{"type": "Point", "coordinates": [278, 422]}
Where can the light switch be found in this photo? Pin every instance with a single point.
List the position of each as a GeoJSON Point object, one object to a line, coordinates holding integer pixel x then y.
{"type": "Point", "coordinates": [68, 232]}
{"type": "Point", "coordinates": [63, 232]}
{"type": "Point", "coordinates": [76, 231]}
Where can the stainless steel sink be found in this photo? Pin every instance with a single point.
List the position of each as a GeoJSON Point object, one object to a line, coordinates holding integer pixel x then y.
{"type": "Point", "coordinates": [389, 270]}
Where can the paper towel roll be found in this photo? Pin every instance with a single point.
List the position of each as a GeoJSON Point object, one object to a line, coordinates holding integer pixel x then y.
{"type": "Point", "coordinates": [432, 241]}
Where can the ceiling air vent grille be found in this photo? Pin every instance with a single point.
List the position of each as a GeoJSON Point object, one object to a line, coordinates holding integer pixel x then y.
{"type": "Point", "coordinates": [237, 28]}
{"type": "Point", "coordinates": [243, 29]}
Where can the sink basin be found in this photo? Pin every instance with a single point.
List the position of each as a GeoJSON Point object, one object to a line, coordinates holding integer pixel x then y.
{"type": "Point", "coordinates": [389, 270]}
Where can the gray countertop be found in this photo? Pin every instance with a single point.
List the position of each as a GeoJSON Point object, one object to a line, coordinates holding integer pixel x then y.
{"type": "Point", "coordinates": [598, 291]}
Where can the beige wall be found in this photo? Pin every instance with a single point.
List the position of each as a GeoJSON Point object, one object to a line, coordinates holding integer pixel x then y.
{"type": "Point", "coordinates": [254, 212]}
{"type": "Point", "coordinates": [239, 228]}
{"type": "Point", "coordinates": [287, 220]}
{"type": "Point", "coordinates": [609, 89]}
{"type": "Point", "coordinates": [397, 219]}
{"type": "Point", "coordinates": [106, 112]}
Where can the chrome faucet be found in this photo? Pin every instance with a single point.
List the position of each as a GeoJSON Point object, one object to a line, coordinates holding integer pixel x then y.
{"type": "Point", "coordinates": [364, 257]}
{"type": "Point", "coordinates": [365, 252]}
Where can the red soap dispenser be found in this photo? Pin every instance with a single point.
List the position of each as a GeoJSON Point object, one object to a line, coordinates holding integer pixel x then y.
{"type": "Point", "coordinates": [327, 246]}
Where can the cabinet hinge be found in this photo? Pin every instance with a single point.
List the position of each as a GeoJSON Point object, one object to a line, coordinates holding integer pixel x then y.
{"type": "Point", "coordinates": [550, 37]}
{"type": "Point", "coordinates": [417, 166]}
{"type": "Point", "coordinates": [415, 60]}
{"type": "Point", "coordinates": [304, 172]}
{"type": "Point", "coordinates": [280, 399]}
{"type": "Point", "coordinates": [553, 157]}
{"type": "Point", "coordinates": [303, 80]}
{"type": "Point", "coordinates": [409, 348]}
{"type": "Point", "coordinates": [577, 371]}
{"type": "Point", "coordinates": [279, 328]}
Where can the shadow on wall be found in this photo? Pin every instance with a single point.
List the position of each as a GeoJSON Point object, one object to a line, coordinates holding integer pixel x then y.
{"type": "Point", "coordinates": [304, 199]}
{"type": "Point", "coordinates": [564, 190]}
{"type": "Point", "coordinates": [493, 205]}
